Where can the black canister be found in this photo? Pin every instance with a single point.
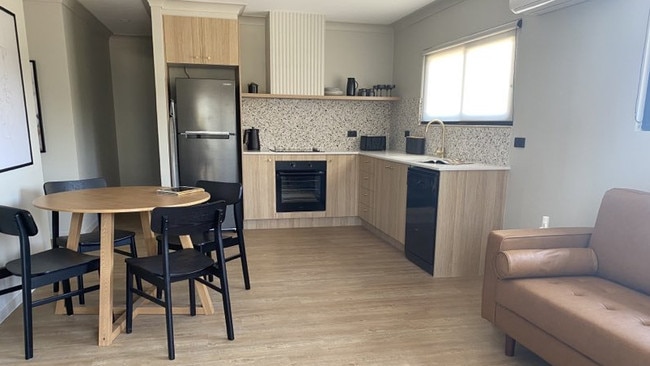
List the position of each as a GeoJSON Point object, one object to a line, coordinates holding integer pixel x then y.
{"type": "Point", "coordinates": [252, 88]}
{"type": "Point", "coordinates": [351, 88]}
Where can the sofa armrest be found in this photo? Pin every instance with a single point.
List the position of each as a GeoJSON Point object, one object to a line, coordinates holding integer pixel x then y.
{"type": "Point", "coordinates": [501, 240]}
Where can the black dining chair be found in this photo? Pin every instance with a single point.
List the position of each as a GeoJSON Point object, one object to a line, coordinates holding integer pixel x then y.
{"type": "Point", "coordinates": [231, 194]}
{"type": "Point", "coordinates": [182, 265]}
{"type": "Point", "coordinates": [87, 241]}
{"type": "Point", "coordinates": [4, 273]}
{"type": "Point", "coordinates": [43, 268]}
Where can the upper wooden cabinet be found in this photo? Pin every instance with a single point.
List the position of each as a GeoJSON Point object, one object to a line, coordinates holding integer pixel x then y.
{"type": "Point", "coordinates": [206, 41]}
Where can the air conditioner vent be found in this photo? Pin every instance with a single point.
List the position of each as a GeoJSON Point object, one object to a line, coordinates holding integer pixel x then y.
{"type": "Point", "coordinates": [538, 7]}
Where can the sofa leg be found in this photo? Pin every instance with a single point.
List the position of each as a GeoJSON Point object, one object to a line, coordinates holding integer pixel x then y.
{"type": "Point", "coordinates": [510, 346]}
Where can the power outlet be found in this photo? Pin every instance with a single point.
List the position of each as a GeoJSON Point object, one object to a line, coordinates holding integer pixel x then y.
{"type": "Point", "coordinates": [407, 133]}
{"type": "Point", "coordinates": [520, 142]}
{"type": "Point", "coordinates": [352, 133]}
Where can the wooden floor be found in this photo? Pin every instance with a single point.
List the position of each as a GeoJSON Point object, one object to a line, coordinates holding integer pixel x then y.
{"type": "Point", "coordinates": [326, 296]}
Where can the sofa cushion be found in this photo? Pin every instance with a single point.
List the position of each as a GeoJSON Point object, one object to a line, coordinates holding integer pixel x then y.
{"type": "Point", "coordinates": [621, 238]}
{"type": "Point", "coordinates": [607, 322]}
{"type": "Point", "coordinates": [522, 263]}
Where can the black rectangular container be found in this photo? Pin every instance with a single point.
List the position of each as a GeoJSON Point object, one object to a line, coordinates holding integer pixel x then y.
{"type": "Point", "coordinates": [373, 143]}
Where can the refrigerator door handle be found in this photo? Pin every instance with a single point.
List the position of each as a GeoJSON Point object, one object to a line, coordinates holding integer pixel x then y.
{"type": "Point", "coordinates": [224, 135]}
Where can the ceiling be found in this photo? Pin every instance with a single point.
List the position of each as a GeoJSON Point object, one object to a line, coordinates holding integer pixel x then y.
{"type": "Point", "coordinates": [131, 17]}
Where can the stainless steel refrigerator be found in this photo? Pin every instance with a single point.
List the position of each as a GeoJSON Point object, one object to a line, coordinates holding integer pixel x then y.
{"type": "Point", "coordinates": [207, 135]}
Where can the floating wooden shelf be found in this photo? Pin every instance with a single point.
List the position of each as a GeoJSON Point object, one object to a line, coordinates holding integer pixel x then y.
{"type": "Point", "coordinates": [320, 97]}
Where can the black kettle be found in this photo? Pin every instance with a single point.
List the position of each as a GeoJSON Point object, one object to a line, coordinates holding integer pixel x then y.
{"type": "Point", "coordinates": [252, 139]}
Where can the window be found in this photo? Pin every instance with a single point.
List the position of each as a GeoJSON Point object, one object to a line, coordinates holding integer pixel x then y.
{"type": "Point", "coordinates": [643, 99]}
{"type": "Point", "coordinates": [471, 80]}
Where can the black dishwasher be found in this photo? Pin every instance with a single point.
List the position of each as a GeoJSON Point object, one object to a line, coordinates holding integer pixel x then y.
{"type": "Point", "coordinates": [421, 215]}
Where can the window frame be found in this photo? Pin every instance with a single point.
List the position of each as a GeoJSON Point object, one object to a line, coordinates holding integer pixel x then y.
{"type": "Point", "coordinates": [476, 37]}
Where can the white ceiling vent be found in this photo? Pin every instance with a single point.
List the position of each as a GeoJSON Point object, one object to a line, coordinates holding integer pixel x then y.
{"type": "Point", "coordinates": [540, 6]}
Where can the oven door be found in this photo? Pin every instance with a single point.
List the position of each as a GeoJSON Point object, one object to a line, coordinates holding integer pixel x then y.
{"type": "Point", "coordinates": [300, 190]}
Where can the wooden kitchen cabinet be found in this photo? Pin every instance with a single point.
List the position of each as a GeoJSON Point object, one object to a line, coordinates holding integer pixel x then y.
{"type": "Point", "coordinates": [366, 206]}
{"type": "Point", "coordinates": [390, 199]}
{"type": "Point", "coordinates": [258, 180]}
{"type": "Point", "coordinates": [258, 175]}
{"type": "Point", "coordinates": [382, 195]}
{"type": "Point", "coordinates": [206, 41]}
{"type": "Point", "coordinates": [341, 199]}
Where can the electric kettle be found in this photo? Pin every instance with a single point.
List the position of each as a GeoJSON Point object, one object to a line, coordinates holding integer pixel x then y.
{"type": "Point", "coordinates": [252, 139]}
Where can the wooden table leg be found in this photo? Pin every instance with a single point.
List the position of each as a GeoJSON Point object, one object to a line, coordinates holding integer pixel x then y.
{"type": "Point", "coordinates": [201, 289]}
{"type": "Point", "coordinates": [149, 236]}
{"type": "Point", "coordinates": [106, 333]}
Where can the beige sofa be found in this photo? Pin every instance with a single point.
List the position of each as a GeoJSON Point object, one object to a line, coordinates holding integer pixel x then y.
{"type": "Point", "coordinates": [576, 296]}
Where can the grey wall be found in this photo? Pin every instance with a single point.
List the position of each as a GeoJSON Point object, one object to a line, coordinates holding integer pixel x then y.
{"type": "Point", "coordinates": [21, 186]}
{"type": "Point", "coordinates": [71, 50]}
{"type": "Point", "coordinates": [135, 110]}
{"type": "Point", "coordinates": [575, 93]}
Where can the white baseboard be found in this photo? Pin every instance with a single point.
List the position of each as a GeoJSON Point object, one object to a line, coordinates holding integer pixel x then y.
{"type": "Point", "coordinates": [9, 303]}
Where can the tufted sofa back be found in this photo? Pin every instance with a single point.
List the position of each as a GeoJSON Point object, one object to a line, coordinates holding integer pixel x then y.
{"type": "Point", "coordinates": [621, 238]}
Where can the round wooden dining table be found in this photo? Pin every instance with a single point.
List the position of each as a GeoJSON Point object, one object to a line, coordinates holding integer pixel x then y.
{"type": "Point", "coordinates": [107, 202]}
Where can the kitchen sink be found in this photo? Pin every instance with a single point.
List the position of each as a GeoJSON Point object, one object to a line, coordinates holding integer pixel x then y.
{"type": "Point", "coordinates": [445, 161]}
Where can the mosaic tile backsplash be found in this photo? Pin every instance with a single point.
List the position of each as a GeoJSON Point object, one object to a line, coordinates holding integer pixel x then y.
{"type": "Point", "coordinates": [303, 124]}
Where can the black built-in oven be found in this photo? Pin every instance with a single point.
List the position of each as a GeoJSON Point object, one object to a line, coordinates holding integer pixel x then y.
{"type": "Point", "coordinates": [300, 185]}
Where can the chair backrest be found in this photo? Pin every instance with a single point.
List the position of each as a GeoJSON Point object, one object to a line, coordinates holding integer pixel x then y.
{"type": "Point", "coordinates": [20, 223]}
{"type": "Point", "coordinates": [176, 221]}
{"type": "Point", "coordinates": [231, 193]}
{"type": "Point", "coordinates": [17, 222]}
{"type": "Point", "coordinates": [73, 185]}
{"type": "Point", "coordinates": [69, 185]}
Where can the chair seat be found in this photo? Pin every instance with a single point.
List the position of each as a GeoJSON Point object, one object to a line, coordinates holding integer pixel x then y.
{"type": "Point", "coordinates": [56, 260]}
{"type": "Point", "coordinates": [92, 239]}
{"type": "Point", "coordinates": [182, 263]}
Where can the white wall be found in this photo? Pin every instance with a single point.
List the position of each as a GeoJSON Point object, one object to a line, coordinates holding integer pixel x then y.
{"type": "Point", "coordinates": [578, 72]}
{"type": "Point", "coordinates": [575, 94]}
{"type": "Point", "coordinates": [364, 52]}
{"type": "Point", "coordinates": [135, 110]}
{"type": "Point", "coordinates": [71, 51]}
{"type": "Point", "coordinates": [21, 186]}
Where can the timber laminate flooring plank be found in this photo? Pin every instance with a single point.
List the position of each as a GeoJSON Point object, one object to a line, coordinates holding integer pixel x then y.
{"type": "Point", "coordinates": [319, 296]}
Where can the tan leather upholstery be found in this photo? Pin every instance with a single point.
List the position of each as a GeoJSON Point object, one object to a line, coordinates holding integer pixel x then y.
{"type": "Point", "coordinates": [621, 238]}
{"type": "Point", "coordinates": [523, 263]}
{"type": "Point", "coordinates": [601, 319]}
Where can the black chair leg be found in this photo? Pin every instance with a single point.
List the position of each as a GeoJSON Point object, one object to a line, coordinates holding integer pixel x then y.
{"type": "Point", "coordinates": [80, 284]}
{"type": "Point", "coordinates": [244, 264]}
{"type": "Point", "coordinates": [192, 297]}
{"type": "Point", "coordinates": [134, 254]}
{"type": "Point", "coordinates": [225, 295]}
{"type": "Point", "coordinates": [27, 322]}
{"type": "Point", "coordinates": [129, 300]}
{"type": "Point", "coordinates": [170, 325]}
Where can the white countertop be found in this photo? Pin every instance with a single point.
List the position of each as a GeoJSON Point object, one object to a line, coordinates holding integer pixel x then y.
{"type": "Point", "coordinates": [394, 156]}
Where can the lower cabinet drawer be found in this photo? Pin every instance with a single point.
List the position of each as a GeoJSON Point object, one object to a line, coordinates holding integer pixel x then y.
{"type": "Point", "coordinates": [366, 213]}
{"type": "Point", "coordinates": [366, 196]}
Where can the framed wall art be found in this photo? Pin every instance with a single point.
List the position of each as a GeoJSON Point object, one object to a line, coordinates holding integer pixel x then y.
{"type": "Point", "coordinates": [37, 103]}
{"type": "Point", "coordinates": [15, 145]}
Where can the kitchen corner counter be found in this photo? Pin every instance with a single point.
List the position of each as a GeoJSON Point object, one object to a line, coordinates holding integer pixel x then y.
{"type": "Point", "coordinates": [418, 160]}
